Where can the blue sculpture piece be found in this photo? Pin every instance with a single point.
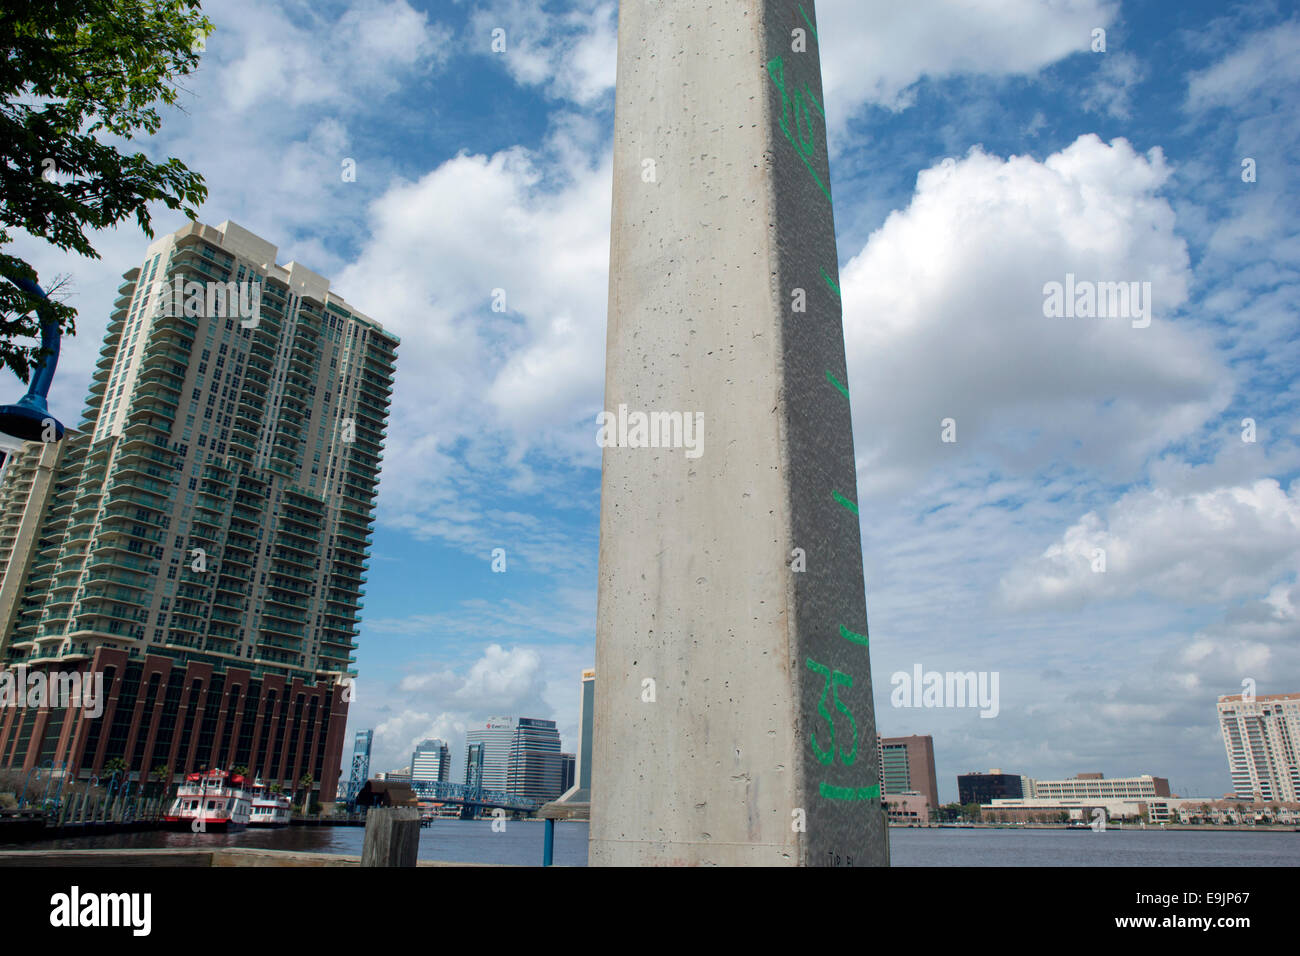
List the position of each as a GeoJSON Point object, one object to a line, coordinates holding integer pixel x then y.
{"type": "Point", "coordinates": [29, 418]}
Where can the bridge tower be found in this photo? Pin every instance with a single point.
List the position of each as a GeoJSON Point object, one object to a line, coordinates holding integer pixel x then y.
{"type": "Point", "coordinates": [360, 765]}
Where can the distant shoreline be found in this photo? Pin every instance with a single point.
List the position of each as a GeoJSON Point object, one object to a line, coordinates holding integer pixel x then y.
{"type": "Point", "coordinates": [1197, 828]}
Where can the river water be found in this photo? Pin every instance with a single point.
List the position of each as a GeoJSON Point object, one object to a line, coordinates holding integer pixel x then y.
{"type": "Point", "coordinates": [520, 844]}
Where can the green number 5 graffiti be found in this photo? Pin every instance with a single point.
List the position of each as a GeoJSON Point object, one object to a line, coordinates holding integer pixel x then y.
{"type": "Point", "coordinates": [834, 681]}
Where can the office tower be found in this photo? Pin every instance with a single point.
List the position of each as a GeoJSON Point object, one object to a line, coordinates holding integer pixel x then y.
{"type": "Point", "coordinates": [568, 771]}
{"type": "Point", "coordinates": [1262, 738]}
{"type": "Point", "coordinates": [431, 761]}
{"type": "Point", "coordinates": [579, 791]}
{"type": "Point", "coordinates": [492, 759]}
{"type": "Point", "coordinates": [533, 770]}
{"type": "Point", "coordinates": [474, 765]}
{"type": "Point", "coordinates": [205, 545]}
{"type": "Point", "coordinates": [976, 787]}
{"type": "Point", "coordinates": [907, 765]}
{"type": "Point", "coordinates": [360, 763]}
{"type": "Point", "coordinates": [519, 755]}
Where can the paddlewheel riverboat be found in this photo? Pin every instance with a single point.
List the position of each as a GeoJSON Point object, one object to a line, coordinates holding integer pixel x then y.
{"type": "Point", "coordinates": [213, 801]}
{"type": "Point", "coordinates": [269, 809]}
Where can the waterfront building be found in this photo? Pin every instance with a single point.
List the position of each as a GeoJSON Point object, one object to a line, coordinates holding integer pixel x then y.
{"type": "Point", "coordinates": [1095, 787]}
{"type": "Point", "coordinates": [910, 807]}
{"type": "Point", "coordinates": [1262, 737]}
{"type": "Point", "coordinates": [976, 787]}
{"type": "Point", "coordinates": [534, 769]}
{"type": "Point", "coordinates": [203, 542]}
{"type": "Point", "coordinates": [431, 761]}
{"type": "Point", "coordinates": [519, 755]}
{"type": "Point", "coordinates": [568, 768]}
{"type": "Point", "coordinates": [1226, 811]}
{"type": "Point", "coordinates": [490, 761]}
{"type": "Point", "coordinates": [907, 766]}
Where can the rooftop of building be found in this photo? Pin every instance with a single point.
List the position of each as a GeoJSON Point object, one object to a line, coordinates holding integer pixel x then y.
{"type": "Point", "coordinates": [238, 241]}
{"type": "Point", "coordinates": [1257, 698]}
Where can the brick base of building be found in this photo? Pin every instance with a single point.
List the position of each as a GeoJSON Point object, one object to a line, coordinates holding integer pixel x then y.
{"type": "Point", "coordinates": [185, 716]}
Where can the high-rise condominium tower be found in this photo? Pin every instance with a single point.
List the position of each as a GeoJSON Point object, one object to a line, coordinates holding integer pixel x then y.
{"type": "Point", "coordinates": [203, 537]}
{"type": "Point", "coordinates": [1262, 737]}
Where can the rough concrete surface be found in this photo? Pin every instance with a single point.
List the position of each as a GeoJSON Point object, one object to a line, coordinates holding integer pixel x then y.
{"type": "Point", "coordinates": [759, 745]}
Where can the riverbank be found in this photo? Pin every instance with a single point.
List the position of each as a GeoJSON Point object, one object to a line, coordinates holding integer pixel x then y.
{"type": "Point", "coordinates": [209, 857]}
{"type": "Point", "coordinates": [1150, 828]}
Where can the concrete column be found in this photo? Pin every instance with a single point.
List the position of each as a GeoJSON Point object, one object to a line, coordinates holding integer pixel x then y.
{"type": "Point", "coordinates": [734, 720]}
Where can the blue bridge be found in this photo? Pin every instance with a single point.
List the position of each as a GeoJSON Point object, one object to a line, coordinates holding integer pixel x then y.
{"type": "Point", "coordinates": [467, 796]}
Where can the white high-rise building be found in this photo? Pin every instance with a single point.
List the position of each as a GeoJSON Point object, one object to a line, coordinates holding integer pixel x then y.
{"type": "Point", "coordinates": [1262, 737]}
{"type": "Point", "coordinates": [494, 740]}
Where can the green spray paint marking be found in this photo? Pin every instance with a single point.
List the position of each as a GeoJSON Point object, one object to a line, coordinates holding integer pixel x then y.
{"type": "Point", "coordinates": [834, 681]}
{"type": "Point", "coordinates": [831, 282]}
{"type": "Point", "coordinates": [845, 501]}
{"type": "Point", "coordinates": [836, 382]}
{"type": "Point", "coordinates": [851, 636]}
{"type": "Point", "coordinates": [850, 793]}
{"type": "Point", "coordinates": [817, 106]}
{"type": "Point", "coordinates": [776, 70]}
{"type": "Point", "coordinates": [810, 24]}
{"type": "Point", "coordinates": [828, 755]}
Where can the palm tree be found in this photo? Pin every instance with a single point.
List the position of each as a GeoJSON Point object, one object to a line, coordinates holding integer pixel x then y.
{"type": "Point", "coordinates": [161, 773]}
{"type": "Point", "coordinates": [306, 782]}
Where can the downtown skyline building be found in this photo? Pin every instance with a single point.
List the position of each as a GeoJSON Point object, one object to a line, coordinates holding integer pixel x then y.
{"type": "Point", "coordinates": [431, 761]}
{"type": "Point", "coordinates": [907, 766]}
{"type": "Point", "coordinates": [1262, 737]}
{"type": "Point", "coordinates": [535, 768]}
{"type": "Point", "coordinates": [202, 540]}
{"type": "Point", "coordinates": [977, 787]}
{"type": "Point", "coordinates": [516, 755]}
{"type": "Point", "coordinates": [487, 753]}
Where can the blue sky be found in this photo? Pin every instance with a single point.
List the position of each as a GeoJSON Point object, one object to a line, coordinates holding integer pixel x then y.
{"type": "Point", "coordinates": [975, 156]}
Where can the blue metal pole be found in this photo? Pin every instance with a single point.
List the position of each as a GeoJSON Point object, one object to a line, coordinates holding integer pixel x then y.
{"type": "Point", "coordinates": [27, 417]}
{"type": "Point", "coordinates": [548, 843]}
